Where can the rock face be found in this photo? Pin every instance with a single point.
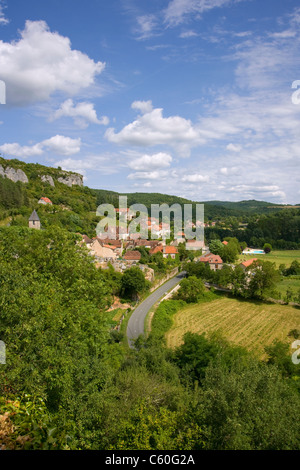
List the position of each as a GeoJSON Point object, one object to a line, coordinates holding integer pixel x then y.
{"type": "Point", "coordinates": [13, 175]}
{"type": "Point", "coordinates": [70, 180]}
{"type": "Point", "coordinates": [47, 179]}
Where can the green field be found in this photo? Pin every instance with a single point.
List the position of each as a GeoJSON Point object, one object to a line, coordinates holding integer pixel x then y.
{"type": "Point", "coordinates": [281, 257]}
{"type": "Point", "coordinates": [252, 325]}
{"type": "Point", "coordinates": [278, 257]}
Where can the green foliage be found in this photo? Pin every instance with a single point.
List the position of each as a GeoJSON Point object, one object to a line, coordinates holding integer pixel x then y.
{"type": "Point", "coordinates": [267, 247]}
{"type": "Point", "coordinates": [191, 289]}
{"type": "Point", "coordinates": [162, 319]}
{"type": "Point", "coordinates": [52, 299]}
{"type": "Point", "coordinates": [133, 282]}
{"type": "Point", "coordinates": [249, 407]}
{"type": "Point", "coordinates": [216, 247]}
{"type": "Point", "coordinates": [25, 424]}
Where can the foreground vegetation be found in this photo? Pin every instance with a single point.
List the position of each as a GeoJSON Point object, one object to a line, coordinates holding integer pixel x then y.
{"type": "Point", "coordinates": [68, 383]}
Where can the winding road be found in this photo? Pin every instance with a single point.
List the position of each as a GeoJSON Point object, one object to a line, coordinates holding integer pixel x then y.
{"type": "Point", "coordinates": [136, 322]}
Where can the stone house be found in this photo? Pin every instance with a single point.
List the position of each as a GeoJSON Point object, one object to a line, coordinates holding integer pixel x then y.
{"type": "Point", "coordinates": [105, 252]}
{"type": "Point", "coordinates": [215, 261]}
{"type": "Point", "coordinates": [34, 221]}
{"type": "Point", "coordinates": [170, 251]}
{"type": "Point", "coordinates": [132, 256]}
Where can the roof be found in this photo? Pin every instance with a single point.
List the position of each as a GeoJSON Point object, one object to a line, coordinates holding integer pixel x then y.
{"type": "Point", "coordinates": [225, 242]}
{"type": "Point", "coordinates": [248, 263]}
{"type": "Point", "coordinates": [34, 217]}
{"type": "Point", "coordinates": [170, 250]}
{"type": "Point", "coordinates": [46, 199]}
{"type": "Point", "coordinates": [156, 249]}
{"type": "Point", "coordinates": [211, 258]}
{"type": "Point", "coordinates": [109, 246]}
{"type": "Point", "coordinates": [132, 255]}
{"type": "Point", "coordinates": [86, 239]}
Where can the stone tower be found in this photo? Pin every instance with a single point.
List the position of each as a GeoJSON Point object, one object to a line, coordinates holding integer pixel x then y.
{"type": "Point", "coordinates": [34, 221]}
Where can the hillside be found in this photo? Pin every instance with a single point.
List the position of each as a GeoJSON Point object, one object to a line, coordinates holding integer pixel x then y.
{"type": "Point", "coordinates": [74, 205]}
{"type": "Point", "coordinates": [251, 206]}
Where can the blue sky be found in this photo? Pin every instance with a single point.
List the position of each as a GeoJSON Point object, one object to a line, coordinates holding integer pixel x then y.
{"type": "Point", "coordinates": [187, 97]}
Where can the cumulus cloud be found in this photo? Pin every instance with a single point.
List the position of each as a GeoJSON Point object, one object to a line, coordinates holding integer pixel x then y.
{"type": "Point", "coordinates": [143, 106]}
{"type": "Point", "coordinates": [151, 128]}
{"type": "Point", "coordinates": [83, 113]}
{"type": "Point", "coordinates": [41, 63]}
{"type": "Point", "coordinates": [151, 162]}
{"type": "Point", "coordinates": [20, 151]}
{"type": "Point", "coordinates": [62, 145]}
{"type": "Point", "coordinates": [58, 144]}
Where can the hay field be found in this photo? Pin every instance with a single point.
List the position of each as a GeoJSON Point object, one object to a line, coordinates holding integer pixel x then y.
{"type": "Point", "coordinates": [252, 325]}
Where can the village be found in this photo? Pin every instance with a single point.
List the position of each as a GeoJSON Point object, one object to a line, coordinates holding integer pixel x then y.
{"type": "Point", "coordinates": [122, 250]}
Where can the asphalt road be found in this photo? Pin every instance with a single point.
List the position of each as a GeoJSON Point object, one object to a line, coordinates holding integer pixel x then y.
{"type": "Point", "coordinates": [136, 322]}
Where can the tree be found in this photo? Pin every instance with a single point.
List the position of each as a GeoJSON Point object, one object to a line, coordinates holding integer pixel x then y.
{"type": "Point", "coordinates": [216, 247]}
{"type": "Point", "coordinates": [263, 280]}
{"type": "Point", "coordinates": [133, 282]}
{"type": "Point", "coordinates": [249, 406]}
{"type": "Point", "coordinates": [191, 289]}
{"type": "Point", "coordinates": [267, 247]}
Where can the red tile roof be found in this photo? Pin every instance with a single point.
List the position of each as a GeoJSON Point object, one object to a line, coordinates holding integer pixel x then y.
{"type": "Point", "coordinates": [156, 249]}
{"type": "Point", "coordinates": [46, 199]}
{"type": "Point", "coordinates": [248, 263]}
{"type": "Point", "coordinates": [211, 259]}
{"type": "Point", "coordinates": [132, 255]}
{"type": "Point", "coordinates": [170, 250]}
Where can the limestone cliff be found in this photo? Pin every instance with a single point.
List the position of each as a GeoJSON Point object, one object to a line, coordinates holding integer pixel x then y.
{"type": "Point", "coordinates": [13, 174]}
{"type": "Point", "coordinates": [71, 179]}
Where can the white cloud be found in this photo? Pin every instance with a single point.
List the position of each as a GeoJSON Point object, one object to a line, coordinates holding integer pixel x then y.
{"type": "Point", "coordinates": [229, 171]}
{"type": "Point", "coordinates": [83, 113]}
{"type": "Point", "coordinates": [16, 150]}
{"type": "Point", "coordinates": [195, 178]}
{"type": "Point", "coordinates": [179, 11]}
{"type": "Point", "coordinates": [234, 148]}
{"type": "Point", "coordinates": [152, 129]}
{"type": "Point", "coordinates": [62, 145]}
{"type": "Point", "coordinates": [143, 106]}
{"type": "Point", "coordinates": [149, 175]}
{"type": "Point", "coordinates": [188, 34]}
{"type": "Point", "coordinates": [151, 162]}
{"type": "Point", "coordinates": [58, 144]}
{"type": "Point", "coordinates": [3, 19]}
{"type": "Point", "coordinates": [41, 63]}
{"type": "Point", "coordinates": [146, 25]}
{"type": "Point", "coordinates": [95, 163]}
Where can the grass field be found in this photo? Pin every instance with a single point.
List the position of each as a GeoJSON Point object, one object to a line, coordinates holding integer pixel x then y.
{"type": "Point", "coordinates": [252, 325]}
{"type": "Point", "coordinates": [281, 257]}
{"type": "Point", "coordinates": [278, 257]}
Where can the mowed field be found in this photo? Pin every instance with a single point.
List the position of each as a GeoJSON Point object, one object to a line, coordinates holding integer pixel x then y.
{"type": "Point", "coordinates": [252, 325]}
